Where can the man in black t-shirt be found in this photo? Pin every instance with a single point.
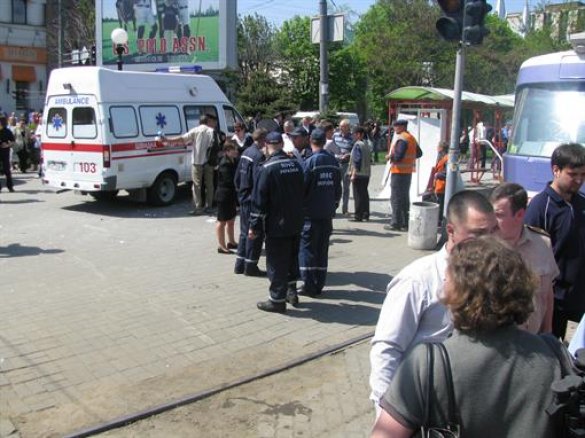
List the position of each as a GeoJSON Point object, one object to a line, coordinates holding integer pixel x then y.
{"type": "Point", "coordinates": [6, 142]}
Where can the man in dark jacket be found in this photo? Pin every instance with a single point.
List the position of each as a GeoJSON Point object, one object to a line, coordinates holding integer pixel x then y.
{"type": "Point", "coordinates": [249, 250]}
{"type": "Point", "coordinates": [560, 211]}
{"type": "Point", "coordinates": [277, 208]}
{"type": "Point", "coordinates": [322, 194]}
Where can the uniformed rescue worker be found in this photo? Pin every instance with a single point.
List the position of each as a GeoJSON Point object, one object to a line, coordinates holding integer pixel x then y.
{"type": "Point", "coordinates": [321, 198]}
{"type": "Point", "coordinates": [402, 156]}
{"type": "Point", "coordinates": [277, 207]}
{"type": "Point", "coordinates": [249, 249]}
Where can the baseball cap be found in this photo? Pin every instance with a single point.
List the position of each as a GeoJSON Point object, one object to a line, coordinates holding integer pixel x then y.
{"type": "Point", "coordinates": [300, 131]}
{"type": "Point", "coordinates": [318, 136]}
{"type": "Point", "coordinates": [400, 122]}
{"type": "Point", "coordinates": [274, 138]}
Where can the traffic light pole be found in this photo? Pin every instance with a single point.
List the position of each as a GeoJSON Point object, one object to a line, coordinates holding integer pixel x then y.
{"type": "Point", "coordinates": [453, 163]}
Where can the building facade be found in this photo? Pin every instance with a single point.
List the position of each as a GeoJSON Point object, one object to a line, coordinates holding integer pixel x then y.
{"type": "Point", "coordinates": [563, 19]}
{"type": "Point", "coordinates": [23, 55]}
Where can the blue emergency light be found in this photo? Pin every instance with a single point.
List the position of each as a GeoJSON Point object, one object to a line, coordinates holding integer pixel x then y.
{"type": "Point", "coordinates": [180, 69]}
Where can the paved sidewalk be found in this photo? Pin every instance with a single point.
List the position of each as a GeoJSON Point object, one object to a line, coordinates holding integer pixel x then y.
{"type": "Point", "coordinates": [108, 309]}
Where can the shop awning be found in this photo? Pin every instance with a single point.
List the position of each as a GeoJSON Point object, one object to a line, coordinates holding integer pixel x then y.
{"type": "Point", "coordinates": [444, 94]}
{"type": "Point", "coordinates": [23, 73]}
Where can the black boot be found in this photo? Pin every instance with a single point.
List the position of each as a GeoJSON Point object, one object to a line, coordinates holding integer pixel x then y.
{"type": "Point", "coordinates": [253, 271]}
{"type": "Point", "coordinates": [271, 306]}
{"type": "Point", "coordinates": [292, 298]}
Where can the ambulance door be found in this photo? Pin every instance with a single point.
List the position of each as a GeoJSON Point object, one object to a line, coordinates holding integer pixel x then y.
{"type": "Point", "coordinates": [87, 149]}
{"type": "Point", "coordinates": [193, 114]}
{"type": "Point", "coordinates": [72, 150]}
{"type": "Point", "coordinates": [231, 117]}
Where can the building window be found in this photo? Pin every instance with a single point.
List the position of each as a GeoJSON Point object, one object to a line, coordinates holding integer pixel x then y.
{"type": "Point", "coordinates": [19, 11]}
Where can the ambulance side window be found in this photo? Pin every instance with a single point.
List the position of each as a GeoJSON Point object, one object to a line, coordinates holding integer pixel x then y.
{"type": "Point", "coordinates": [194, 113]}
{"type": "Point", "coordinates": [123, 121]}
{"type": "Point", "coordinates": [231, 117]}
{"type": "Point", "coordinates": [165, 119]}
{"type": "Point", "coordinates": [84, 125]}
{"type": "Point", "coordinates": [57, 123]}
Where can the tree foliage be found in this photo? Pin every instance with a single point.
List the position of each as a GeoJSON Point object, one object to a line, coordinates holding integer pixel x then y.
{"type": "Point", "coordinates": [255, 41]}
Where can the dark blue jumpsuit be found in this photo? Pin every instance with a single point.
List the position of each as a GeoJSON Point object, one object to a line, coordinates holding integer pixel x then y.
{"type": "Point", "coordinates": [321, 197]}
{"type": "Point", "coordinates": [248, 250]}
{"type": "Point", "coordinates": [277, 207]}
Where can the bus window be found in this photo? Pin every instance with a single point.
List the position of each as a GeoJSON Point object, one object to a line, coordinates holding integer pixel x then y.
{"type": "Point", "coordinates": [159, 118]}
{"type": "Point", "coordinates": [57, 123]}
{"type": "Point", "coordinates": [194, 113]}
{"type": "Point", "coordinates": [123, 121]}
{"type": "Point", "coordinates": [84, 125]}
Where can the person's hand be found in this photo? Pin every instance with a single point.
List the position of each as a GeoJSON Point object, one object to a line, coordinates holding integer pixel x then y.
{"type": "Point", "coordinates": [251, 234]}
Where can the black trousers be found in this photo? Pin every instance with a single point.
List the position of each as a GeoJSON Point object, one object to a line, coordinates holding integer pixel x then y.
{"type": "Point", "coordinates": [248, 249]}
{"type": "Point", "coordinates": [314, 253]}
{"type": "Point", "coordinates": [562, 317]}
{"type": "Point", "coordinates": [6, 166]}
{"type": "Point", "coordinates": [400, 198]}
{"type": "Point", "coordinates": [282, 265]}
{"type": "Point", "coordinates": [361, 197]}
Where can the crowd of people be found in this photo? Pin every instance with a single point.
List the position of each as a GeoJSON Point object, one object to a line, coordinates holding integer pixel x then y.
{"type": "Point", "coordinates": [287, 184]}
{"type": "Point", "coordinates": [20, 145]}
{"type": "Point", "coordinates": [509, 272]}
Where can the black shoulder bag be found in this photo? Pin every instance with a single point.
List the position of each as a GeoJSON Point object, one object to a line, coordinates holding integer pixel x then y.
{"type": "Point", "coordinates": [452, 429]}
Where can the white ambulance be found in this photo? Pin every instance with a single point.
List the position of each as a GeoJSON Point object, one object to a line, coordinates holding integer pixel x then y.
{"type": "Point", "coordinates": [100, 127]}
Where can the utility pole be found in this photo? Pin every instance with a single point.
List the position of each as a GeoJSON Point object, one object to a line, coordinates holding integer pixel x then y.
{"type": "Point", "coordinates": [323, 64]}
{"type": "Point", "coordinates": [60, 32]}
{"type": "Point", "coordinates": [453, 163]}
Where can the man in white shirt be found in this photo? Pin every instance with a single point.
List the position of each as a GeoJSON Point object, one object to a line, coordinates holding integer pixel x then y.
{"type": "Point", "coordinates": [202, 138]}
{"type": "Point", "coordinates": [412, 312]}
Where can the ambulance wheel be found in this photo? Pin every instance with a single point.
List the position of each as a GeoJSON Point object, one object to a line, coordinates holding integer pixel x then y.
{"type": "Point", "coordinates": [164, 189]}
{"type": "Point", "coordinates": [104, 196]}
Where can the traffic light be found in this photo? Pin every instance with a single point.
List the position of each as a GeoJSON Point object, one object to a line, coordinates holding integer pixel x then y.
{"type": "Point", "coordinates": [450, 25]}
{"type": "Point", "coordinates": [463, 20]}
{"type": "Point", "coordinates": [93, 56]}
{"type": "Point", "coordinates": [474, 23]}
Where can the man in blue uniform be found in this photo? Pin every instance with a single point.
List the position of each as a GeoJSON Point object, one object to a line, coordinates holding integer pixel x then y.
{"type": "Point", "coordinates": [322, 194]}
{"type": "Point", "coordinates": [249, 250]}
{"type": "Point", "coordinates": [560, 211]}
{"type": "Point", "coordinates": [277, 208]}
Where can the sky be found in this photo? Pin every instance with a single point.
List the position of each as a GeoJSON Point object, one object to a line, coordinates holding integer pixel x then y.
{"type": "Point", "coordinates": [277, 11]}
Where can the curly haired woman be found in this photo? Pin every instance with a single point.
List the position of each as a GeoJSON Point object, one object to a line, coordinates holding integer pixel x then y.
{"type": "Point", "coordinates": [501, 374]}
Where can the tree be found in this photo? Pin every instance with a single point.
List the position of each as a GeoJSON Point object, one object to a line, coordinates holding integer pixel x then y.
{"type": "Point", "coordinates": [299, 61]}
{"type": "Point", "coordinates": [397, 41]}
{"type": "Point", "coordinates": [259, 89]}
{"type": "Point", "coordinates": [256, 52]}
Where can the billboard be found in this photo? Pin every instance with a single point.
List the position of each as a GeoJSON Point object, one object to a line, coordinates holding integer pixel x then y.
{"type": "Point", "coordinates": [162, 33]}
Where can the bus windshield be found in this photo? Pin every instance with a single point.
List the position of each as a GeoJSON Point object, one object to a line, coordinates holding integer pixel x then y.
{"type": "Point", "coordinates": [547, 115]}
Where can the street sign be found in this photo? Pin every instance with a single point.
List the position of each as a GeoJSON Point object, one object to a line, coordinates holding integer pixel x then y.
{"type": "Point", "coordinates": [336, 24]}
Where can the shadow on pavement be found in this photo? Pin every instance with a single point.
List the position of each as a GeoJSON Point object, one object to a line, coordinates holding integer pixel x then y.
{"type": "Point", "coordinates": [374, 297]}
{"type": "Point", "coordinates": [21, 201]}
{"type": "Point", "coordinates": [361, 232]}
{"type": "Point", "coordinates": [333, 241]}
{"type": "Point", "coordinates": [353, 314]}
{"type": "Point", "coordinates": [372, 281]}
{"type": "Point", "coordinates": [124, 207]}
{"type": "Point", "coordinates": [17, 250]}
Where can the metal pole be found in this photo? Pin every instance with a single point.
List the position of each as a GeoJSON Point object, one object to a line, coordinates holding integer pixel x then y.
{"type": "Point", "coordinates": [60, 33]}
{"type": "Point", "coordinates": [324, 67]}
{"type": "Point", "coordinates": [453, 164]}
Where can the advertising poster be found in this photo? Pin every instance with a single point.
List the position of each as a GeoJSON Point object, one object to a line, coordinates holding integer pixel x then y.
{"type": "Point", "coordinates": [171, 32]}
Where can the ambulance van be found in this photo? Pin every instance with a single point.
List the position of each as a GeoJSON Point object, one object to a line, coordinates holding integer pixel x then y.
{"type": "Point", "coordinates": [100, 129]}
